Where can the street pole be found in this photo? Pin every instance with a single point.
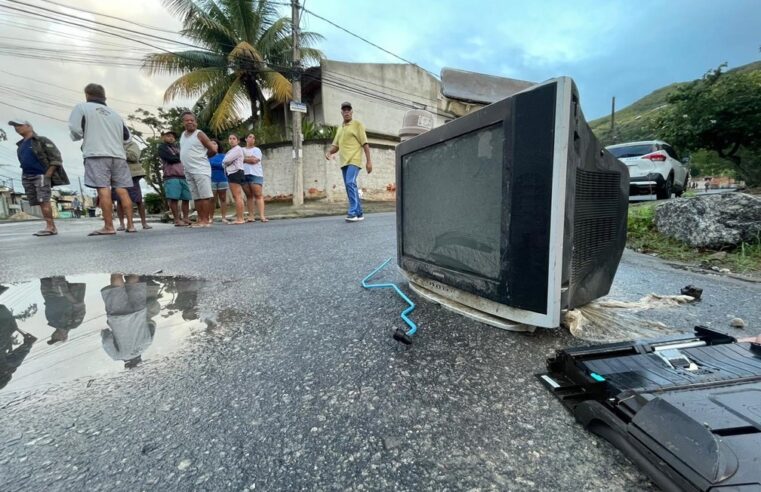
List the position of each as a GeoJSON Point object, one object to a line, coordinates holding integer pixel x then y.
{"type": "Point", "coordinates": [613, 119]}
{"type": "Point", "coordinates": [298, 164]}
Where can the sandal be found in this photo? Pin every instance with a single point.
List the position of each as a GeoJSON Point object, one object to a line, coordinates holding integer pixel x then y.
{"type": "Point", "coordinates": [45, 233]}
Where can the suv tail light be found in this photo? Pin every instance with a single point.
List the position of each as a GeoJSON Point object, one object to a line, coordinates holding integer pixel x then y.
{"type": "Point", "coordinates": [655, 156]}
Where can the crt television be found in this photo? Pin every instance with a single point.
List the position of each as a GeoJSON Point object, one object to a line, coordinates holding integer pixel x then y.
{"type": "Point", "coordinates": [515, 210]}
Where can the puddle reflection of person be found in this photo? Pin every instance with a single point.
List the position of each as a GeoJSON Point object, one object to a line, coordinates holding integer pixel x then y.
{"type": "Point", "coordinates": [187, 297]}
{"type": "Point", "coordinates": [11, 358]}
{"type": "Point", "coordinates": [64, 306]}
{"type": "Point", "coordinates": [130, 330]}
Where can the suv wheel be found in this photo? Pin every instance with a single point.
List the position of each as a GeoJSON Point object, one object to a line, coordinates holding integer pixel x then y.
{"type": "Point", "coordinates": [665, 192]}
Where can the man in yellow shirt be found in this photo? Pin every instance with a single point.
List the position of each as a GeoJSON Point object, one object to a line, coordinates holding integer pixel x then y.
{"type": "Point", "coordinates": [351, 140]}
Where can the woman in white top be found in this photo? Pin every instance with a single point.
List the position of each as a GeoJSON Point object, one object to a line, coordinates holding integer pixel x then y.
{"type": "Point", "coordinates": [233, 164]}
{"type": "Point", "coordinates": [254, 178]}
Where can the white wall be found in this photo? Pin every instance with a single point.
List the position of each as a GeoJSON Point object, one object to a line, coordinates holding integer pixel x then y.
{"type": "Point", "coordinates": [322, 178]}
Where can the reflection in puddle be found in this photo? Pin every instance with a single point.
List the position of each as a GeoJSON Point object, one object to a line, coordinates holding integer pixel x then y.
{"type": "Point", "coordinates": [61, 328]}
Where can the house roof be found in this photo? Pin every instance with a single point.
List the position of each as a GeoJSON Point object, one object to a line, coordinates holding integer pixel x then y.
{"type": "Point", "coordinates": [478, 87]}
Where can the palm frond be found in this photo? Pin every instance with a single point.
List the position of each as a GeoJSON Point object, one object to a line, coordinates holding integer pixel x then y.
{"type": "Point", "coordinates": [281, 87]}
{"type": "Point", "coordinates": [182, 61]}
{"type": "Point", "coordinates": [226, 112]}
{"type": "Point", "coordinates": [244, 51]}
{"type": "Point", "coordinates": [194, 84]}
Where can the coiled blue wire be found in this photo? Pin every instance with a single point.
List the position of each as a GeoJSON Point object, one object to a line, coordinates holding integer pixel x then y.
{"type": "Point", "coordinates": [410, 323]}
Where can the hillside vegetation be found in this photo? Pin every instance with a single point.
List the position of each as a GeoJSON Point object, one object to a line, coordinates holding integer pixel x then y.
{"type": "Point", "coordinates": [637, 121]}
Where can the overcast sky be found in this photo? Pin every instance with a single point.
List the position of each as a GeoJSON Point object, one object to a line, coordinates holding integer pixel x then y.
{"type": "Point", "coordinates": [610, 48]}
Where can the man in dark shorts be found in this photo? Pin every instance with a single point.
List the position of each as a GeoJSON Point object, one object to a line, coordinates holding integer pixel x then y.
{"type": "Point", "coordinates": [104, 134]}
{"type": "Point", "coordinates": [135, 193]}
{"type": "Point", "coordinates": [176, 187]}
{"type": "Point", "coordinates": [41, 169]}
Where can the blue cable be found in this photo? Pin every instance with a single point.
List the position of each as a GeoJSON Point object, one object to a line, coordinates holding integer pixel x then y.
{"type": "Point", "coordinates": [410, 323]}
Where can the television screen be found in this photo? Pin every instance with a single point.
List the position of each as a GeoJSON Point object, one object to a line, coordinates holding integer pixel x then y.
{"type": "Point", "coordinates": [515, 210]}
{"type": "Point", "coordinates": [458, 227]}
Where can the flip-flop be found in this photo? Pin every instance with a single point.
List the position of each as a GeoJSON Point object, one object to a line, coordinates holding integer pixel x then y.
{"type": "Point", "coordinates": [225, 221]}
{"type": "Point", "coordinates": [264, 220]}
{"type": "Point", "coordinates": [45, 233]}
{"type": "Point", "coordinates": [131, 230]}
{"type": "Point", "coordinates": [236, 223]}
{"type": "Point", "coordinates": [146, 227]}
{"type": "Point", "coordinates": [250, 220]}
{"type": "Point", "coordinates": [181, 225]}
{"type": "Point", "coordinates": [120, 229]}
{"type": "Point", "coordinates": [102, 233]}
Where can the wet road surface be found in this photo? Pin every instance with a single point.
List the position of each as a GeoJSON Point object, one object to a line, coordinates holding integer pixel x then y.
{"type": "Point", "coordinates": [300, 385]}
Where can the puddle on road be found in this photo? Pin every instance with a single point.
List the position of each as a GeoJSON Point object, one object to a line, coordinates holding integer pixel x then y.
{"type": "Point", "coordinates": [62, 328]}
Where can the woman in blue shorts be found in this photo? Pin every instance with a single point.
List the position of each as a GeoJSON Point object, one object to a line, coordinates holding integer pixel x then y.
{"type": "Point", "coordinates": [219, 184]}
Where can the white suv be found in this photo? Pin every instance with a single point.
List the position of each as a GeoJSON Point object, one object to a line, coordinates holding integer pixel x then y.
{"type": "Point", "coordinates": [654, 168]}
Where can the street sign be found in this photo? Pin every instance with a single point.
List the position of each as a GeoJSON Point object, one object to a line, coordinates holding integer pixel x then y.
{"type": "Point", "coordinates": [299, 107]}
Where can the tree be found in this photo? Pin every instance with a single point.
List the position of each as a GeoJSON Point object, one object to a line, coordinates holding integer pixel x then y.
{"type": "Point", "coordinates": [719, 113]}
{"type": "Point", "coordinates": [163, 120]}
{"type": "Point", "coordinates": [246, 54]}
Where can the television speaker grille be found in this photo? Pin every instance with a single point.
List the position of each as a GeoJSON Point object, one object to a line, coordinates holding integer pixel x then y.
{"type": "Point", "coordinates": [596, 219]}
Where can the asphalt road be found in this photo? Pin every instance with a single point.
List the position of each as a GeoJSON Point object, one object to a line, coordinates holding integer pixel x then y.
{"type": "Point", "coordinates": [302, 386]}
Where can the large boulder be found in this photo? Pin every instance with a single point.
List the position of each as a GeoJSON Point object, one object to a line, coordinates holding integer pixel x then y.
{"type": "Point", "coordinates": [711, 221]}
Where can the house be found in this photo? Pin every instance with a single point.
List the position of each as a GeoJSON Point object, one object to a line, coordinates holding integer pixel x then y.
{"type": "Point", "coordinates": [381, 94]}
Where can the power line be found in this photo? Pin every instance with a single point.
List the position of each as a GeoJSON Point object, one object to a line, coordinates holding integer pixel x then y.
{"type": "Point", "coordinates": [152, 36]}
{"type": "Point", "coordinates": [73, 90]}
{"type": "Point", "coordinates": [368, 41]}
{"type": "Point", "coordinates": [33, 112]}
{"type": "Point", "coordinates": [110, 17]}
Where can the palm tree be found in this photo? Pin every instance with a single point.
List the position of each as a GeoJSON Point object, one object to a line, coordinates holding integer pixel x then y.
{"type": "Point", "coordinates": [247, 56]}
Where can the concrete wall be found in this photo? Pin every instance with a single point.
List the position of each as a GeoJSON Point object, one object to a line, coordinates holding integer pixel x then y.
{"type": "Point", "coordinates": [393, 89]}
{"type": "Point", "coordinates": [322, 178]}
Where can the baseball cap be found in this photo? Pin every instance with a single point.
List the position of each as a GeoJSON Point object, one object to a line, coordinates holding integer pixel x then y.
{"type": "Point", "coordinates": [169, 132]}
{"type": "Point", "coordinates": [346, 104]}
{"type": "Point", "coordinates": [18, 122]}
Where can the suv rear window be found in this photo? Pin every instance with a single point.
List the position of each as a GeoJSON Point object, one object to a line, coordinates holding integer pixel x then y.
{"type": "Point", "coordinates": [632, 150]}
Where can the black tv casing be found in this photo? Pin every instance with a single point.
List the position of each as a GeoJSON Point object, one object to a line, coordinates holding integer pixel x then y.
{"type": "Point", "coordinates": [564, 202]}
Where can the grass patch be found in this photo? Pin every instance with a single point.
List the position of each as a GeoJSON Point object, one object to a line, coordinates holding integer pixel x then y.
{"type": "Point", "coordinates": [645, 238]}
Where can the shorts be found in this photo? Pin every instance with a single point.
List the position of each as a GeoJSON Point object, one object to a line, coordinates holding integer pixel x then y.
{"type": "Point", "coordinates": [238, 177]}
{"type": "Point", "coordinates": [37, 188]}
{"type": "Point", "coordinates": [107, 172]}
{"type": "Point", "coordinates": [177, 189]}
{"type": "Point", "coordinates": [135, 193]}
{"type": "Point", "coordinates": [200, 185]}
{"type": "Point", "coordinates": [219, 185]}
{"type": "Point", "coordinates": [253, 179]}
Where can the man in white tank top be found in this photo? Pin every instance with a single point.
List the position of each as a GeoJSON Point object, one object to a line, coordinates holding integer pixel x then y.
{"type": "Point", "coordinates": [195, 150]}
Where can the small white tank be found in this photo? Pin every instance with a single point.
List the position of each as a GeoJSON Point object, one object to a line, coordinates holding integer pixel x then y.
{"type": "Point", "coordinates": [416, 121]}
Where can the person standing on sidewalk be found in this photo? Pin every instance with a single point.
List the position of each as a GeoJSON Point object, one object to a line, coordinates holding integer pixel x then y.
{"type": "Point", "coordinates": [175, 186]}
{"type": "Point", "coordinates": [219, 185]}
{"type": "Point", "coordinates": [195, 150]}
{"type": "Point", "coordinates": [350, 141]}
{"type": "Point", "coordinates": [103, 134]}
{"type": "Point", "coordinates": [135, 193]}
{"type": "Point", "coordinates": [41, 169]}
{"type": "Point", "coordinates": [254, 178]}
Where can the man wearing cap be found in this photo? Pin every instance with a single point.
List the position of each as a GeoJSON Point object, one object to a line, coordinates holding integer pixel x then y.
{"type": "Point", "coordinates": [103, 134]}
{"type": "Point", "coordinates": [350, 141]}
{"type": "Point", "coordinates": [41, 169]}
{"type": "Point", "coordinates": [175, 186]}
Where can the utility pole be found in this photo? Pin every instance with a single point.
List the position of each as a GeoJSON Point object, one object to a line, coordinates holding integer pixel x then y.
{"type": "Point", "coordinates": [613, 119]}
{"type": "Point", "coordinates": [298, 164]}
{"type": "Point", "coordinates": [81, 194]}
